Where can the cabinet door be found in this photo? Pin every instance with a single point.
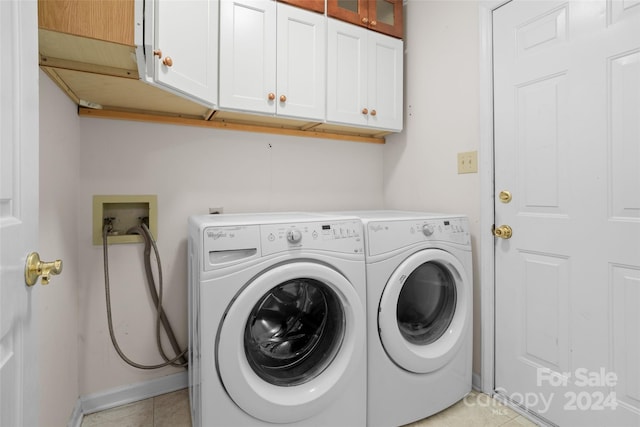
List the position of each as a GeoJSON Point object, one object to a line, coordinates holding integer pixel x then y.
{"type": "Point", "coordinates": [385, 82]}
{"type": "Point", "coordinates": [315, 5]}
{"type": "Point", "coordinates": [189, 59]}
{"type": "Point", "coordinates": [346, 73]}
{"type": "Point", "coordinates": [301, 59]}
{"type": "Point", "coordinates": [353, 11]}
{"type": "Point", "coordinates": [248, 55]}
{"type": "Point", "coordinates": [385, 16]}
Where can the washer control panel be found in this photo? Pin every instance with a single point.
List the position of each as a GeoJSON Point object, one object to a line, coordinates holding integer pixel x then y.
{"type": "Point", "coordinates": [227, 245]}
{"type": "Point", "coordinates": [334, 236]}
{"type": "Point", "coordinates": [386, 236]}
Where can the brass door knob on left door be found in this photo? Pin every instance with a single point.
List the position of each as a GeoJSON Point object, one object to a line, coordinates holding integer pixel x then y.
{"type": "Point", "coordinates": [503, 232]}
{"type": "Point", "coordinates": [167, 61]}
{"type": "Point", "coordinates": [35, 268]}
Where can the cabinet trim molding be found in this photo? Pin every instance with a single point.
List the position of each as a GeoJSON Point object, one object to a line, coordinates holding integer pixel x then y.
{"type": "Point", "coordinates": [213, 124]}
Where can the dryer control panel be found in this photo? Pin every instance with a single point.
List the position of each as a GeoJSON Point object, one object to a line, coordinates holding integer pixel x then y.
{"type": "Point", "coordinates": [386, 236]}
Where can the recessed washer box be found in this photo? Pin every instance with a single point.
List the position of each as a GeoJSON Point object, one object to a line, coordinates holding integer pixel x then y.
{"type": "Point", "coordinates": [124, 212]}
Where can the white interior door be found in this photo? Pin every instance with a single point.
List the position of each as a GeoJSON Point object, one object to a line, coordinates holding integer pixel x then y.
{"type": "Point", "coordinates": [18, 209]}
{"type": "Point", "coordinates": [567, 148]}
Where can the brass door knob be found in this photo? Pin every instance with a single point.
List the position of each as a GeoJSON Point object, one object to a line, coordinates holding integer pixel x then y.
{"type": "Point", "coordinates": [271, 96]}
{"type": "Point", "coordinates": [283, 98]}
{"type": "Point", "coordinates": [374, 23]}
{"type": "Point", "coordinates": [167, 61]}
{"type": "Point", "coordinates": [365, 111]}
{"type": "Point", "coordinates": [505, 196]}
{"type": "Point", "coordinates": [373, 112]}
{"type": "Point", "coordinates": [365, 21]}
{"type": "Point", "coordinates": [35, 268]}
{"type": "Point", "coordinates": [157, 53]}
{"type": "Point", "coordinates": [503, 232]}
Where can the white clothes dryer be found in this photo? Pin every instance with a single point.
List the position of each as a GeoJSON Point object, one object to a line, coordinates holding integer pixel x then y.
{"type": "Point", "coordinates": [277, 320]}
{"type": "Point", "coordinates": [419, 314]}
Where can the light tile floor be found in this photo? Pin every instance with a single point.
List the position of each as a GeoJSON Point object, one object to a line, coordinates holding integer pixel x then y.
{"type": "Point", "coordinates": [477, 410]}
{"type": "Point", "coordinates": [167, 410]}
{"type": "Point", "coordinates": [172, 410]}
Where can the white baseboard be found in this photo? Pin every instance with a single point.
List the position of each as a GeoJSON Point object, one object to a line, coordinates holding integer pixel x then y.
{"type": "Point", "coordinates": [126, 394]}
{"type": "Point", "coordinates": [76, 415]}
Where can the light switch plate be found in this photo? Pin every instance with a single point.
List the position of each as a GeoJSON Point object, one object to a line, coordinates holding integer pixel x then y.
{"type": "Point", "coordinates": [468, 162]}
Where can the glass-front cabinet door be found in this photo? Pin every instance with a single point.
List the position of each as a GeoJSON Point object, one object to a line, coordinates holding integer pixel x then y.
{"type": "Point", "coordinates": [315, 5]}
{"type": "Point", "coordinates": [384, 16]}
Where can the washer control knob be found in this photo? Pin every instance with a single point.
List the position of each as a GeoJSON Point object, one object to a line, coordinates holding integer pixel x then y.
{"type": "Point", "coordinates": [294, 236]}
{"type": "Point", "coordinates": [427, 229]}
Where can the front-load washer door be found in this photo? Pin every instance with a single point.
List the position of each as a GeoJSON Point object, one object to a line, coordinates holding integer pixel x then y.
{"type": "Point", "coordinates": [290, 341]}
{"type": "Point", "coordinates": [424, 311]}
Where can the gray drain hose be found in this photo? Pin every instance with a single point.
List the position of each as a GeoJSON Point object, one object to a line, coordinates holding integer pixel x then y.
{"type": "Point", "coordinates": [156, 296]}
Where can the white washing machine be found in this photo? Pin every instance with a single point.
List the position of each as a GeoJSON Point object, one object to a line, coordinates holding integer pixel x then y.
{"type": "Point", "coordinates": [277, 320]}
{"type": "Point", "coordinates": [419, 314]}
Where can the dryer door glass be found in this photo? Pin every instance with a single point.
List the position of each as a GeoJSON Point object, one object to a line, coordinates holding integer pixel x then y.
{"type": "Point", "coordinates": [426, 304]}
{"type": "Point", "coordinates": [294, 332]}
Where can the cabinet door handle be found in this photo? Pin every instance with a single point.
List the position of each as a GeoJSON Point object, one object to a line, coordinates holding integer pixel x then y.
{"type": "Point", "coordinates": [374, 23]}
{"type": "Point", "coordinates": [365, 21]}
{"type": "Point", "coordinates": [373, 112]}
{"type": "Point", "coordinates": [365, 111]}
{"type": "Point", "coordinates": [271, 96]}
{"type": "Point", "coordinates": [167, 61]}
{"type": "Point", "coordinates": [283, 98]}
{"type": "Point", "coordinates": [157, 53]}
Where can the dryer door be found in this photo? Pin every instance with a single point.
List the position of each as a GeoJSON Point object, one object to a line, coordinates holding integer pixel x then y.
{"type": "Point", "coordinates": [424, 311]}
{"type": "Point", "coordinates": [290, 341]}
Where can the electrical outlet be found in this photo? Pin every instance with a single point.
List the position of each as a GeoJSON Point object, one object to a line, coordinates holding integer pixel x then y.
{"type": "Point", "coordinates": [215, 211]}
{"type": "Point", "coordinates": [468, 162]}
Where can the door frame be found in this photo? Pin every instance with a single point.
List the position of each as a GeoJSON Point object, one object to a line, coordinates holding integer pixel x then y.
{"type": "Point", "coordinates": [487, 192]}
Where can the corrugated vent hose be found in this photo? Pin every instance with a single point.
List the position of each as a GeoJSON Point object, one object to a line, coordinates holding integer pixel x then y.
{"type": "Point", "coordinates": [161, 319]}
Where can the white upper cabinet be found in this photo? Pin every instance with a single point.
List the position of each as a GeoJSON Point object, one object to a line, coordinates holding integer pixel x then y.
{"type": "Point", "coordinates": [248, 55]}
{"type": "Point", "coordinates": [347, 74]}
{"type": "Point", "coordinates": [364, 77]}
{"type": "Point", "coordinates": [185, 48]}
{"type": "Point", "coordinates": [301, 59]}
{"type": "Point", "coordinates": [385, 81]}
{"type": "Point", "coordinates": [272, 59]}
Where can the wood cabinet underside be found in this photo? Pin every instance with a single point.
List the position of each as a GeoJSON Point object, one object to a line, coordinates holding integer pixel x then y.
{"type": "Point", "coordinates": [96, 67]}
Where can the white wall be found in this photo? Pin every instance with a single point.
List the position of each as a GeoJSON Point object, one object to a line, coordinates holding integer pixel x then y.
{"type": "Point", "coordinates": [58, 301]}
{"type": "Point", "coordinates": [441, 119]}
{"type": "Point", "coordinates": [190, 170]}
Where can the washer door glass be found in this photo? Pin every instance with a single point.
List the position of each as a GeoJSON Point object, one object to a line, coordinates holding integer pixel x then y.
{"type": "Point", "coordinates": [294, 332]}
{"type": "Point", "coordinates": [426, 303]}
{"type": "Point", "coordinates": [424, 311]}
{"type": "Point", "coordinates": [291, 340]}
